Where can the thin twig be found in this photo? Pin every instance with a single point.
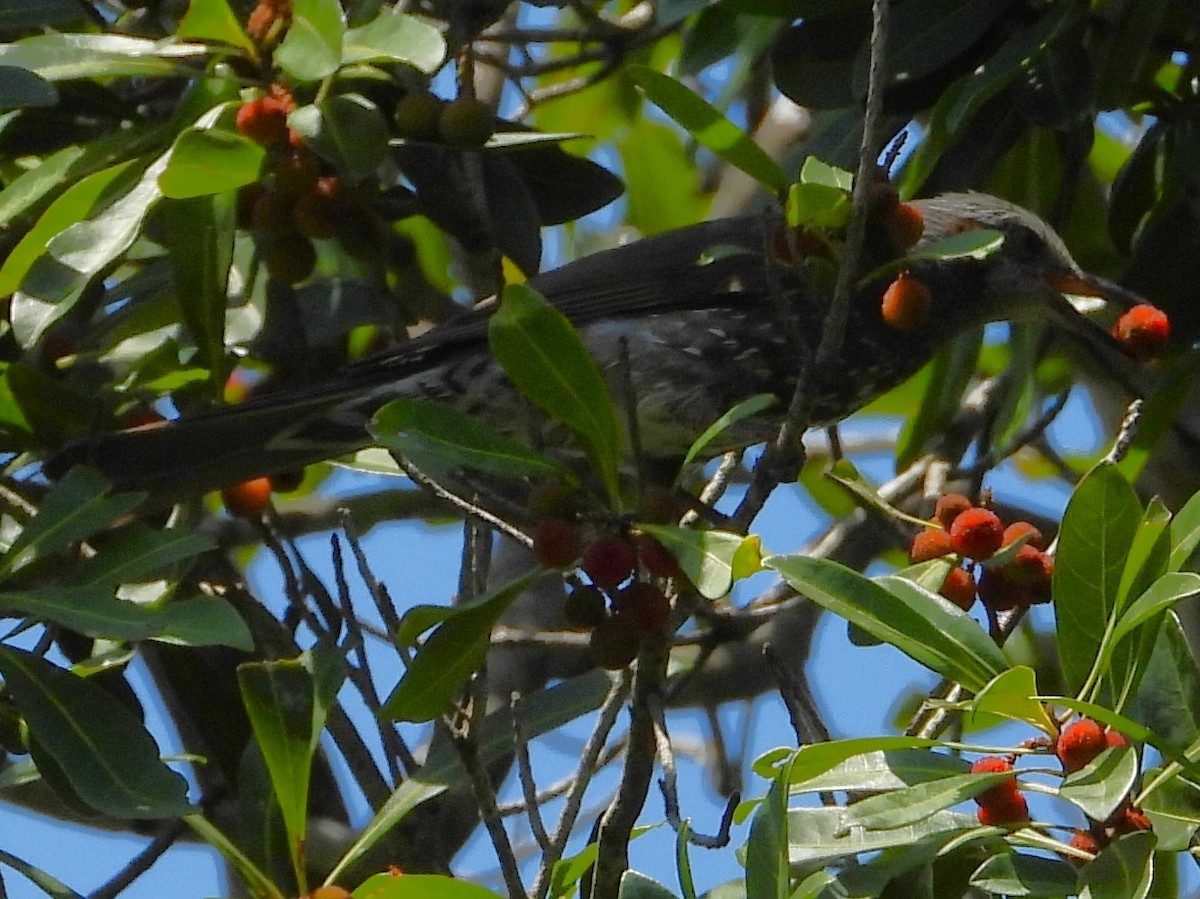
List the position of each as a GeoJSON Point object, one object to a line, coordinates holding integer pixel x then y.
{"type": "Point", "coordinates": [469, 509]}
{"type": "Point", "coordinates": [525, 771]}
{"type": "Point", "coordinates": [140, 863]}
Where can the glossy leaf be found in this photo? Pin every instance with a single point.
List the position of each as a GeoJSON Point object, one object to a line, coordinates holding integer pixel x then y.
{"type": "Point", "coordinates": [213, 20]}
{"type": "Point", "coordinates": [1185, 533]}
{"type": "Point", "coordinates": [815, 759]}
{"type": "Point", "coordinates": [453, 651]}
{"type": "Point", "coordinates": [911, 805]}
{"type": "Point", "coordinates": [545, 358]}
{"type": "Point", "coordinates": [712, 560]}
{"type": "Point", "coordinates": [77, 507]}
{"type": "Point", "coordinates": [439, 438]}
{"type": "Point", "coordinates": [66, 57]}
{"type": "Point", "coordinates": [20, 193]}
{"type": "Point", "coordinates": [1020, 874]}
{"type": "Point", "coordinates": [815, 835]}
{"type": "Point", "coordinates": [708, 126]}
{"type": "Point", "coordinates": [312, 49]}
{"type": "Point", "coordinates": [1123, 870]}
{"type": "Point", "coordinates": [1174, 810]}
{"type": "Point", "coordinates": [208, 161]}
{"type": "Point", "coordinates": [396, 37]}
{"type": "Point", "coordinates": [767, 847]}
{"type": "Point", "coordinates": [892, 769]}
{"type": "Point", "coordinates": [1098, 527]}
{"type": "Point", "coordinates": [1102, 785]}
{"type": "Point", "coordinates": [915, 621]}
{"type": "Point", "coordinates": [1012, 694]}
{"type": "Point", "coordinates": [635, 885]}
{"type": "Point", "coordinates": [112, 763]}
{"type": "Point", "coordinates": [347, 129]}
{"type": "Point", "coordinates": [1159, 596]}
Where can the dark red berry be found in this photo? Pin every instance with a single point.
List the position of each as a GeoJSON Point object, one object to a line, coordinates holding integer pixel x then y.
{"type": "Point", "coordinates": [1143, 331]}
{"type": "Point", "coordinates": [643, 606]}
{"type": "Point", "coordinates": [1028, 567]}
{"type": "Point", "coordinates": [557, 543]}
{"type": "Point", "coordinates": [1079, 743]}
{"type": "Point", "coordinates": [905, 225]}
{"type": "Point", "coordinates": [976, 533]}
{"type": "Point", "coordinates": [264, 120]}
{"type": "Point", "coordinates": [609, 561]}
{"type": "Point", "coordinates": [1000, 593]}
{"type": "Point", "coordinates": [1133, 819]}
{"type": "Point", "coordinates": [1114, 739]}
{"type": "Point", "coordinates": [1084, 842]}
{"type": "Point", "coordinates": [930, 544]}
{"type": "Point", "coordinates": [655, 558]}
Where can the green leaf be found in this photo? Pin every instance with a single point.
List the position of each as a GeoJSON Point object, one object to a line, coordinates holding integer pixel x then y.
{"type": "Point", "coordinates": [209, 161]}
{"type": "Point", "coordinates": [21, 89]}
{"type": "Point", "coordinates": [66, 57]}
{"type": "Point", "coordinates": [635, 885]}
{"type": "Point", "coordinates": [287, 702]}
{"type": "Point", "coordinates": [911, 805]}
{"type": "Point", "coordinates": [104, 751]}
{"type": "Point", "coordinates": [312, 49]}
{"type": "Point", "coordinates": [815, 835]}
{"type": "Point", "coordinates": [419, 886]}
{"type": "Point", "coordinates": [1185, 533]}
{"type": "Point", "coordinates": [712, 560]}
{"type": "Point", "coordinates": [23, 191]}
{"type": "Point", "coordinates": [683, 862]}
{"type": "Point", "coordinates": [817, 206]}
{"type": "Point", "coordinates": [1174, 810]}
{"type": "Point", "coordinates": [815, 759]}
{"type": "Point", "coordinates": [440, 439]}
{"type": "Point", "coordinates": [879, 770]}
{"type": "Point", "coordinates": [846, 475]}
{"type": "Point", "coordinates": [540, 712]}
{"type": "Point", "coordinates": [137, 553]}
{"type": "Point", "coordinates": [977, 243]}
{"type": "Point", "coordinates": [447, 659]}
{"type": "Point", "coordinates": [708, 126]}
{"type": "Point", "coordinates": [1011, 694]}
{"type": "Point", "coordinates": [1159, 596]}
{"type": "Point", "coordinates": [397, 37]}
{"type": "Point", "coordinates": [767, 847]}
{"type": "Point", "coordinates": [1103, 784]}
{"type": "Point", "coordinates": [1123, 870]}
{"type": "Point", "coordinates": [545, 358]}
{"type": "Point", "coordinates": [1100, 523]}
{"type": "Point", "coordinates": [213, 20]}
{"type": "Point", "coordinates": [917, 622]}
{"type": "Point", "coordinates": [76, 508]}
{"type": "Point", "coordinates": [348, 130]}
{"type": "Point", "coordinates": [1019, 874]}
{"type": "Point", "coordinates": [746, 408]}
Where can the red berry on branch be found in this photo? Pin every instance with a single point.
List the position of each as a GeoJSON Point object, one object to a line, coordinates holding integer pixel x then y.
{"type": "Point", "coordinates": [1114, 739]}
{"type": "Point", "coordinates": [906, 303]}
{"type": "Point", "coordinates": [1019, 529]}
{"type": "Point", "coordinates": [655, 558]}
{"type": "Point", "coordinates": [643, 607]}
{"type": "Point", "coordinates": [609, 561]}
{"type": "Point", "coordinates": [1143, 331]}
{"type": "Point", "coordinates": [949, 507]}
{"type": "Point", "coordinates": [1079, 743]}
{"type": "Point", "coordinates": [959, 588]}
{"type": "Point", "coordinates": [930, 544]}
{"type": "Point", "coordinates": [264, 120]}
{"type": "Point", "coordinates": [977, 533]}
{"type": "Point", "coordinates": [1002, 792]}
{"type": "Point", "coordinates": [1084, 842]}
{"type": "Point", "coordinates": [248, 499]}
{"type": "Point", "coordinates": [1013, 810]}
{"type": "Point", "coordinates": [557, 543]}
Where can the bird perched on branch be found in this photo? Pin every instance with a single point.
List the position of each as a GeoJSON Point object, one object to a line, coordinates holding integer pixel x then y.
{"type": "Point", "coordinates": [708, 316]}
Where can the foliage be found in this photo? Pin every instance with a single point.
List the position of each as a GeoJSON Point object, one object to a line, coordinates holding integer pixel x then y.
{"type": "Point", "coordinates": [197, 190]}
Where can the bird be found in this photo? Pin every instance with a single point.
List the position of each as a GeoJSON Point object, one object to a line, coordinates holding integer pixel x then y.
{"type": "Point", "coordinates": [704, 317]}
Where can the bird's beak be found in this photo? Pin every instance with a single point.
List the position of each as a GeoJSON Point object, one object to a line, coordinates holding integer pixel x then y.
{"type": "Point", "coordinates": [1083, 284]}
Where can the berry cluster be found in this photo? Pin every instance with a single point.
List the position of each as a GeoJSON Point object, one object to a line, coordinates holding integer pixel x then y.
{"type": "Point", "coordinates": [1142, 332]}
{"type": "Point", "coordinates": [621, 604]}
{"type": "Point", "coordinates": [1077, 745]}
{"type": "Point", "coordinates": [1002, 804]}
{"type": "Point", "coordinates": [976, 534]}
{"type": "Point", "coordinates": [465, 122]}
{"type": "Point", "coordinates": [295, 202]}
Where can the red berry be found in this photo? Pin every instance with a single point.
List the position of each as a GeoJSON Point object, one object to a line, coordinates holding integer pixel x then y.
{"type": "Point", "coordinates": [930, 544]}
{"type": "Point", "coordinates": [264, 120]}
{"type": "Point", "coordinates": [1084, 842]}
{"type": "Point", "coordinates": [609, 561]}
{"type": "Point", "coordinates": [1019, 529]}
{"type": "Point", "coordinates": [976, 533]}
{"type": "Point", "coordinates": [642, 606]}
{"type": "Point", "coordinates": [1133, 819]}
{"type": "Point", "coordinates": [1013, 810]}
{"type": "Point", "coordinates": [585, 608]}
{"type": "Point", "coordinates": [1079, 743]}
{"type": "Point", "coordinates": [1143, 331]}
{"type": "Point", "coordinates": [557, 543]}
{"type": "Point", "coordinates": [906, 303]}
{"type": "Point", "coordinates": [905, 225]}
{"type": "Point", "coordinates": [1028, 567]}
{"type": "Point", "coordinates": [1114, 739]}
{"type": "Point", "coordinates": [330, 892]}
{"type": "Point", "coordinates": [655, 558]}
{"type": "Point", "coordinates": [959, 588]}
{"type": "Point", "coordinates": [289, 258]}
{"type": "Point", "coordinates": [949, 507]}
{"type": "Point", "coordinates": [249, 498]}
{"type": "Point", "coordinates": [1003, 792]}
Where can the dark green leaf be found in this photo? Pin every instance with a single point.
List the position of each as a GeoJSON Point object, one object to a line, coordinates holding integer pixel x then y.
{"type": "Point", "coordinates": [397, 37]}
{"type": "Point", "coordinates": [312, 49]}
{"type": "Point", "coordinates": [1185, 533]}
{"type": "Point", "coordinates": [1019, 874]}
{"type": "Point", "coordinates": [103, 749]}
{"type": "Point", "coordinates": [915, 621]}
{"type": "Point", "coordinates": [708, 126]}
{"type": "Point", "coordinates": [1098, 527]}
{"type": "Point", "coordinates": [1123, 870]}
{"type": "Point", "coordinates": [1159, 596]}
{"type": "Point", "coordinates": [138, 553]}
{"type": "Point", "coordinates": [813, 61]}
{"type": "Point", "coordinates": [76, 508]}
{"type": "Point", "coordinates": [1174, 810]}
{"type": "Point", "coordinates": [1103, 783]}
{"type": "Point", "coordinates": [440, 439]}
{"type": "Point", "coordinates": [210, 161]}
{"type": "Point", "coordinates": [545, 358]}
{"type": "Point", "coordinates": [21, 88]}
{"type": "Point", "coordinates": [635, 885]}
{"type": "Point", "coordinates": [744, 409]}
{"type": "Point", "coordinates": [17, 15]}
{"type": "Point", "coordinates": [347, 129]}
